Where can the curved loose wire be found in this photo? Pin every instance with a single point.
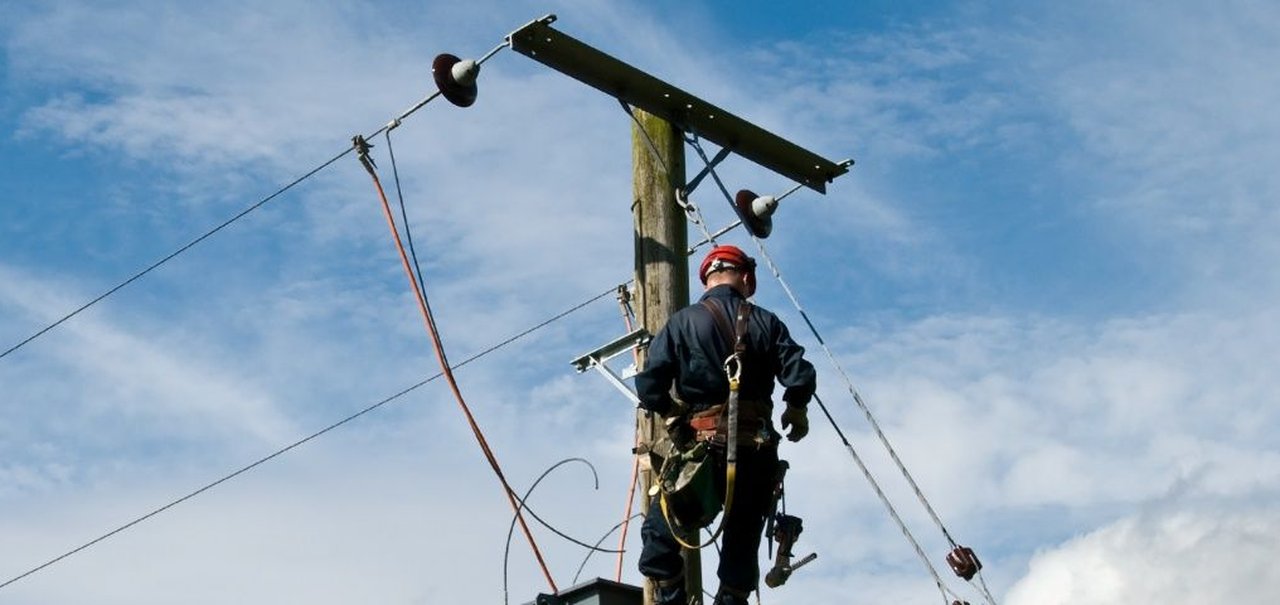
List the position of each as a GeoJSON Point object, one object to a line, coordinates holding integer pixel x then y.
{"type": "Point", "coordinates": [524, 503]}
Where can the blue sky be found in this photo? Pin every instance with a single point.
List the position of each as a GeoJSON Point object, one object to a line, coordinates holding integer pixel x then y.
{"type": "Point", "coordinates": [1049, 274]}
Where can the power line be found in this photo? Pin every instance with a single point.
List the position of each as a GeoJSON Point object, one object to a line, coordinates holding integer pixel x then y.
{"type": "Point", "coordinates": [424, 307]}
{"type": "Point", "coordinates": [302, 441]}
{"type": "Point", "coordinates": [136, 276]}
{"type": "Point", "coordinates": [171, 255]}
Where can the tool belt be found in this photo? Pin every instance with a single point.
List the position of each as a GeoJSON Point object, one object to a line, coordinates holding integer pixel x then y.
{"type": "Point", "coordinates": [712, 424]}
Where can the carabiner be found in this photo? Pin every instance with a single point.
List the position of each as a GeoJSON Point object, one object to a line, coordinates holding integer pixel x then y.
{"type": "Point", "coordinates": [733, 369]}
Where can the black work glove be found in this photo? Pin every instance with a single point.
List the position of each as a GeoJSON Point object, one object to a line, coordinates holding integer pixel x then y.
{"type": "Point", "coordinates": [796, 417]}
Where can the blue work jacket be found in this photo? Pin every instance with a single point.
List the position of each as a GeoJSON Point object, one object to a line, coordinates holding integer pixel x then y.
{"type": "Point", "coordinates": [689, 353]}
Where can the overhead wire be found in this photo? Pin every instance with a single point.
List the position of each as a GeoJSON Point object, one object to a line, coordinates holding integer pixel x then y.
{"type": "Point", "coordinates": [252, 207]}
{"type": "Point", "coordinates": [155, 265]}
{"type": "Point", "coordinates": [884, 440]}
{"type": "Point", "coordinates": [617, 525]}
{"type": "Point", "coordinates": [693, 141]}
{"type": "Point", "coordinates": [893, 512]}
{"type": "Point", "coordinates": [421, 287]}
{"type": "Point", "coordinates": [279, 452]}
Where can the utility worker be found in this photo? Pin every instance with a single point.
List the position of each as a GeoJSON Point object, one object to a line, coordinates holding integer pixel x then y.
{"type": "Point", "coordinates": [685, 381]}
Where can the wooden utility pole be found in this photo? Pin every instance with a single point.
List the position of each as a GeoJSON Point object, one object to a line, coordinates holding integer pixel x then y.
{"type": "Point", "coordinates": [662, 272]}
{"type": "Point", "coordinates": [657, 153]}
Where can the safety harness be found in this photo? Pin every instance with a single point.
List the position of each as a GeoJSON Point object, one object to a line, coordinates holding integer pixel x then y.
{"type": "Point", "coordinates": [686, 477]}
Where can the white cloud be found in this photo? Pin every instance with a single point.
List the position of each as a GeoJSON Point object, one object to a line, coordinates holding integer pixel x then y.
{"type": "Point", "coordinates": [99, 374]}
{"type": "Point", "coordinates": [1044, 410]}
{"type": "Point", "coordinates": [1172, 100]}
{"type": "Point", "coordinates": [1200, 555]}
{"type": "Point", "coordinates": [213, 84]}
{"type": "Point", "coordinates": [1061, 423]}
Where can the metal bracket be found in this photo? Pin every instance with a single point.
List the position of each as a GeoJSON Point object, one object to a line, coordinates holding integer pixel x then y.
{"type": "Point", "coordinates": [599, 358]}
{"type": "Point", "coordinates": [557, 50]}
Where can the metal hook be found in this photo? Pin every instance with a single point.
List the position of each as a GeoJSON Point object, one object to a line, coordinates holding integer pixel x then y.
{"type": "Point", "coordinates": [733, 368]}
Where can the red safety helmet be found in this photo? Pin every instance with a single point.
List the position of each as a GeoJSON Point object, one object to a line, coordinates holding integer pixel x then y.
{"type": "Point", "coordinates": [729, 257]}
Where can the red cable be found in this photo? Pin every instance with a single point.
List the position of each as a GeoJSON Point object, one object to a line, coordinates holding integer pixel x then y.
{"type": "Point", "coordinates": [635, 464]}
{"type": "Point", "coordinates": [448, 372]}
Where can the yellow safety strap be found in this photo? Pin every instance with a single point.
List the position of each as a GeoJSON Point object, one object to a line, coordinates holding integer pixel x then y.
{"type": "Point", "coordinates": [732, 369]}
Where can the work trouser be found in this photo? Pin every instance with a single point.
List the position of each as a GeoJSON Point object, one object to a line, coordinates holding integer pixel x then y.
{"type": "Point", "coordinates": [740, 542]}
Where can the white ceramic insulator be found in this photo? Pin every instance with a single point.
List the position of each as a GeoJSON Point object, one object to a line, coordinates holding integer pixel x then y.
{"type": "Point", "coordinates": [764, 205]}
{"type": "Point", "coordinates": [465, 72]}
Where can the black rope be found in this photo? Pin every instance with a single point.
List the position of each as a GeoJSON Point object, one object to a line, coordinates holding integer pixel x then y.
{"type": "Point", "coordinates": [404, 217]}
{"type": "Point", "coordinates": [302, 441]}
{"type": "Point", "coordinates": [593, 551]}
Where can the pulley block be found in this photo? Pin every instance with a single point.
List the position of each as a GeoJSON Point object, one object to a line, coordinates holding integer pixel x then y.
{"type": "Point", "coordinates": [964, 562]}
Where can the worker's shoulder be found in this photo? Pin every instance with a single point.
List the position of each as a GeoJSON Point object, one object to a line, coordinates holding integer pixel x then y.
{"type": "Point", "coordinates": [691, 312]}
{"type": "Point", "coordinates": [763, 312]}
{"type": "Point", "coordinates": [768, 322]}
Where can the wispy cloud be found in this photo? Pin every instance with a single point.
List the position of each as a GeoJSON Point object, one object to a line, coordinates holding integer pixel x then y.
{"type": "Point", "coordinates": [977, 141]}
{"type": "Point", "coordinates": [100, 375]}
{"type": "Point", "coordinates": [1173, 102]}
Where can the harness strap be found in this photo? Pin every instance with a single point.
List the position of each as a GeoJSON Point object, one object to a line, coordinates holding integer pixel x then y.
{"type": "Point", "coordinates": [733, 370]}
{"type": "Point", "coordinates": [740, 330]}
{"type": "Point", "coordinates": [717, 420]}
{"type": "Point", "coordinates": [734, 335]}
{"type": "Point", "coordinates": [722, 322]}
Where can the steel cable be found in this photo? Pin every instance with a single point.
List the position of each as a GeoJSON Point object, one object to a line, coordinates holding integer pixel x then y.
{"type": "Point", "coordinates": [256, 205]}
{"type": "Point", "coordinates": [884, 440]}
{"type": "Point", "coordinates": [171, 255]}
